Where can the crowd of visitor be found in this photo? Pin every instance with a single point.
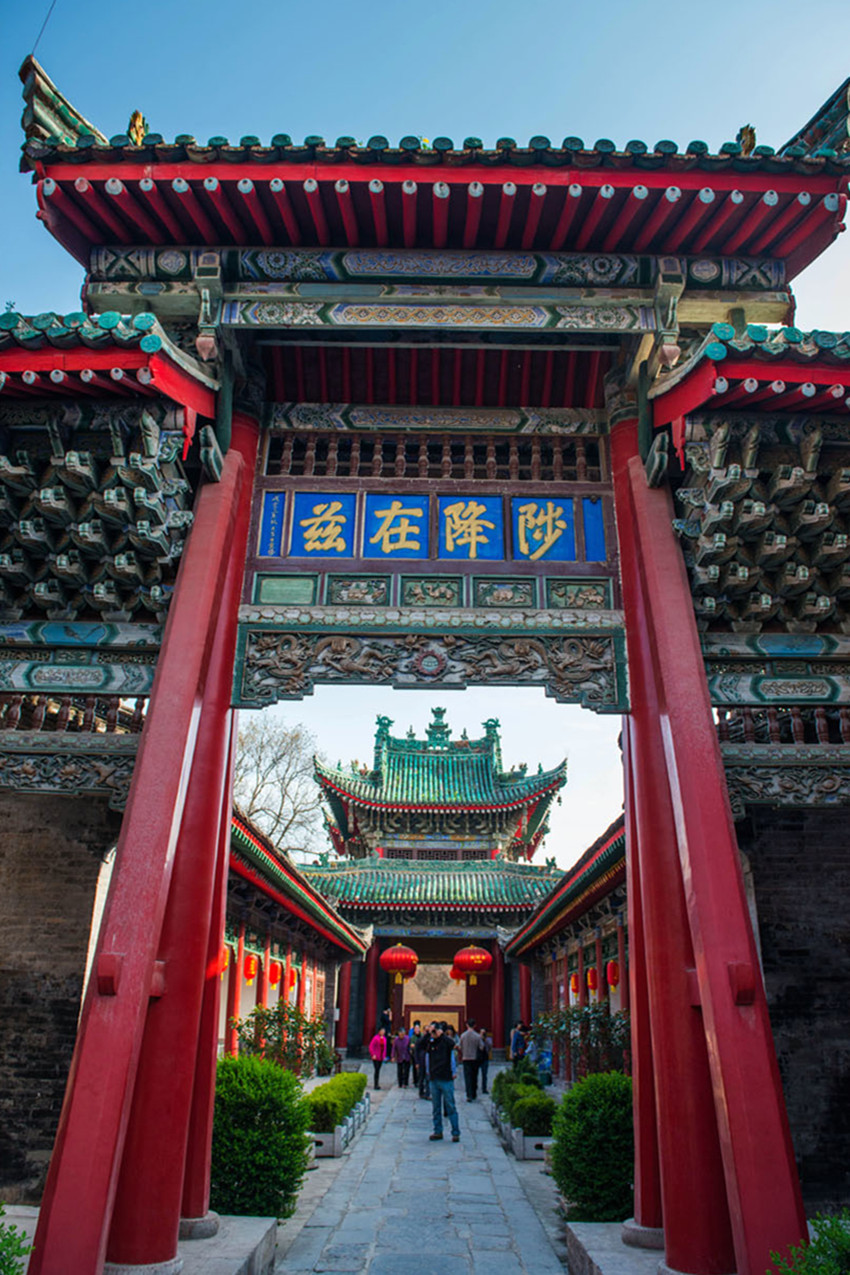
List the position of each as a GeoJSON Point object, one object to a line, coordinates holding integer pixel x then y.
{"type": "Point", "coordinates": [432, 1055]}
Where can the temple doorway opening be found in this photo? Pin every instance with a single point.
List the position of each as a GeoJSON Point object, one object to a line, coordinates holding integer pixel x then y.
{"type": "Point", "coordinates": [445, 820]}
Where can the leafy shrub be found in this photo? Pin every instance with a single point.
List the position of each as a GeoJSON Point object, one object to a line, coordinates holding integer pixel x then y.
{"type": "Point", "coordinates": [515, 1094]}
{"type": "Point", "coordinates": [593, 1038]}
{"type": "Point", "coordinates": [593, 1150]}
{"type": "Point", "coordinates": [331, 1102]}
{"type": "Point", "coordinates": [286, 1035]}
{"type": "Point", "coordinates": [259, 1151]}
{"type": "Point", "coordinates": [13, 1247]}
{"type": "Point", "coordinates": [534, 1114]}
{"type": "Point", "coordinates": [522, 1073]}
{"type": "Point", "coordinates": [827, 1254]}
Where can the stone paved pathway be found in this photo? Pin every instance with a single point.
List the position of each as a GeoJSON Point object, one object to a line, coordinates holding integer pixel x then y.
{"type": "Point", "coordinates": [396, 1203]}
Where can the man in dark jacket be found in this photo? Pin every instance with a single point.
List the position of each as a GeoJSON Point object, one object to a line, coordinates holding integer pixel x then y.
{"type": "Point", "coordinates": [439, 1050]}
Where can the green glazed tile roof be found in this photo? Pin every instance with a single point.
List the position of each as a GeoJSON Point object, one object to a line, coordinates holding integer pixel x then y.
{"type": "Point", "coordinates": [439, 773]}
{"type": "Point", "coordinates": [420, 884]}
{"type": "Point", "coordinates": [55, 130]}
{"type": "Point", "coordinates": [600, 868]}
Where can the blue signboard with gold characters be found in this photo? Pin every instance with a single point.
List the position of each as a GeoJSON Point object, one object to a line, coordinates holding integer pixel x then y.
{"type": "Point", "coordinates": [404, 526]}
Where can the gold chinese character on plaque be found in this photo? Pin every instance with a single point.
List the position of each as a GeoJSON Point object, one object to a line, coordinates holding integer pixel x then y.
{"type": "Point", "coordinates": [323, 532]}
{"type": "Point", "coordinates": [399, 528]}
{"type": "Point", "coordinates": [465, 527]}
{"type": "Point", "coordinates": [539, 528]}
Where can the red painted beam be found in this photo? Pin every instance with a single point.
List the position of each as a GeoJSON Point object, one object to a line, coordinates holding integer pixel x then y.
{"type": "Point", "coordinates": [174, 382]}
{"type": "Point", "coordinates": [345, 204]}
{"type": "Point", "coordinates": [598, 209]}
{"type": "Point", "coordinates": [15, 359]}
{"type": "Point", "coordinates": [153, 196]}
{"type": "Point", "coordinates": [631, 207]}
{"type": "Point", "coordinates": [313, 193]}
{"type": "Point", "coordinates": [214, 191]}
{"type": "Point", "coordinates": [658, 179]}
{"type": "Point", "coordinates": [701, 205]}
{"type": "Point", "coordinates": [133, 211]}
{"type": "Point", "coordinates": [440, 197]}
{"type": "Point", "coordinates": [277, 189]}
{"type": "Point", "coordinates": [752, 221]}
{"type": "Point", "coordinates": [691, 392]}
{"type": "Point", "coordinates": [195, 214]}
{"type": "Point", "coordinates": [779, 225]}
{"type": "Point", "coordinates": [474, 206]}
{"type": "Point", "coordinates": [572, 199]}
{"type": "Point", "coordinates": [532, 216]}
{"type": "Point", "coordinates": [379, 211]}
{"type": "Point", "coordinates": [97, 205]}
{"type": "Point", "coordinates": [723, 212]}
{"type": "Point", "coordinates": [656, 221]}
{"type": "Point", "coordinates": [507, 204]}
{"type": "Point", "coordinates": [409, 197]}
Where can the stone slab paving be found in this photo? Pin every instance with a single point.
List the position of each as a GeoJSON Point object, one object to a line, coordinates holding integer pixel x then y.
{"type": "Point", "coordinates": [396, 1201]}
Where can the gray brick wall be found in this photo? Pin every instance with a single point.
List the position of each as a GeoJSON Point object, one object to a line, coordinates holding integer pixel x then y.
{"type": "Point", "coordinates": [800, 862]}
{"type": "Point", "coordinates": [50, 855]}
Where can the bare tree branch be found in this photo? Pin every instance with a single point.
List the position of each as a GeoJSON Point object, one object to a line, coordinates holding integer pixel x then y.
{"type": "Point", "coordinates": [273, 782]}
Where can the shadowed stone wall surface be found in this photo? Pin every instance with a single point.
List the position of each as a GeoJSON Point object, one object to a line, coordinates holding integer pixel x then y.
{"type": "Point", "coordinates": [800, 862]}
{"type": "Point", "coordinates": [50, 855]}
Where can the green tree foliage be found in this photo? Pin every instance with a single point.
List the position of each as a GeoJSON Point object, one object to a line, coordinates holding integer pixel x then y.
{"type": "Point", "coordinates": [597, 1039]}
{"type": "Point", "coordinates": [259, 1151]}
{"type": "Point", "coordinates": [285, 1035]}
{"type": "Point", "coordinates": [593, 1148]}
{"type": "Point", "coordinates": [827, 1254]}
{"type": "Point", "coordinates": [13, 1247]}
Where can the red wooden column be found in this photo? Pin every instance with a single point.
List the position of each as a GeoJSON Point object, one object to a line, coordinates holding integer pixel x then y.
{"type": "Point", "coordinates": [146, 1212]}
{"type": "Point", "coordinates": [601, 981]}
{"type": "Point", "coordinates": [302, 984]}
{"type": "Point", "coordinates": [77, 1203]}
{"type": "Point", "coordinates": [498, 1009]}
{"type": "Point", "coordinates": [234, 996]}
{"type": "Point", "coordinates": [624, 972]}
{"type": "Point", "coordinates": [525, 994]}
{"type": "Point", "coordinates": [647, 1184]}
{"type": "Point", "coordinates": [196, 1178]}
{"type": "Point", "coordinates": [686, 835]}
{"type": "Point", "coordinates": [287, 973]}
{"type": "Point", "coordinates": [697, 1234]}
{"type": "Point", "coordinates": [263, 976]}
{"type": "Point", "coordinates": [341, 1033]}
{"type": "Point", "coordinates": [370, 1000]}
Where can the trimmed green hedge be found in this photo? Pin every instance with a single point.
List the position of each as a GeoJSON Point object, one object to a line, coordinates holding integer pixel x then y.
{"type": "Point", "coordinates": [511, 1078]}
{"type": "Point", "coordinates": [593, 1148]}
{"type": "Point", "coordinates": [259, 1150]}
{"type": "Point", "coordinates": [533, 1114]}
{"type": "Point", "coordinates": [331, 1102]}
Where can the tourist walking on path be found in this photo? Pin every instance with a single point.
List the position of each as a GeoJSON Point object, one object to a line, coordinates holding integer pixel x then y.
{"type": "Point", "coordinates": [517, 1049]}
{"type": "Point", "coordinates": [378, 1053]}
{"type": "Point", "coordinates": [440, 1053]}
{"type": "Point", "coordinates": [401, 1057]}
{"type": "Point", "coordinates": [414, 1036]}
{"type": "Point", "coordinates": [484, 1057]}
{"type": "Point", "coordinates": [386, 1021]}
{"type": "Point", "coordinates": [470, 1045]}
{"type": "Point", "coordinates": [420, 1046]}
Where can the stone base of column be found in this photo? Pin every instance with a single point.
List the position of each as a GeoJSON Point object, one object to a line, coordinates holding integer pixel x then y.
{"type": "Point", "coordinates": [200, 1228]}
{"type": "Point", "coordinates": [172, 1267]}
{"type": "Point", "coordinates": [638, 1236]}
{"type": "Point", "coordinates": [664, 1269]}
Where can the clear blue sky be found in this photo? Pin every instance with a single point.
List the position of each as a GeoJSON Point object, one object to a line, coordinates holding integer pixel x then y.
{"type": "Point", "coordinates": [620, 69]}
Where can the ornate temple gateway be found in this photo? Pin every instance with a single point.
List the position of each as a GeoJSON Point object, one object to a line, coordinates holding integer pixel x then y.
{"type": "Point", "coordinates": [432, 415]}
{"type": "Point", "coordinates": [438, 840]}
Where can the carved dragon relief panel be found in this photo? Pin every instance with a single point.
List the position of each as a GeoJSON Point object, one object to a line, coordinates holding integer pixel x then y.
{"type": "Point", "coordinates": [278, 664]}
{"type": "Point", "coordinates": [761, 775]}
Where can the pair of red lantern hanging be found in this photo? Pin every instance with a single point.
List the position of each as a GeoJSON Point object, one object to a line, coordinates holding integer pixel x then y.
{"type": "Point", "coordinates": [400, 961]}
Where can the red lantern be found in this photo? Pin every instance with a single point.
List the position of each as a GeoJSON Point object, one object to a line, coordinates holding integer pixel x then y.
{"type": "Point", "coordinates": [473, 961]}
{"type": "Point", "coordinates": [400, 961]}
{"type": "Point", "coordinates": [457, 975]}
{"type": "Point", "coordinates": [592, 979]}
{"type": "Point", "coordinates": [275, 972]}
{"type": "Point", "coordinates": [574, 984]}
{"type": "Point", "coordinates": [612, 973]}
{"type": "Point", "coordinates": [250, 967]}
{"type": "Point", "coordinates": [223, 960]}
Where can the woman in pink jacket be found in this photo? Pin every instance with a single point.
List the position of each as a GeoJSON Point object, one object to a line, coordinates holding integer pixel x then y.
{"type": "Point", "coordinates": [378, 1053]}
